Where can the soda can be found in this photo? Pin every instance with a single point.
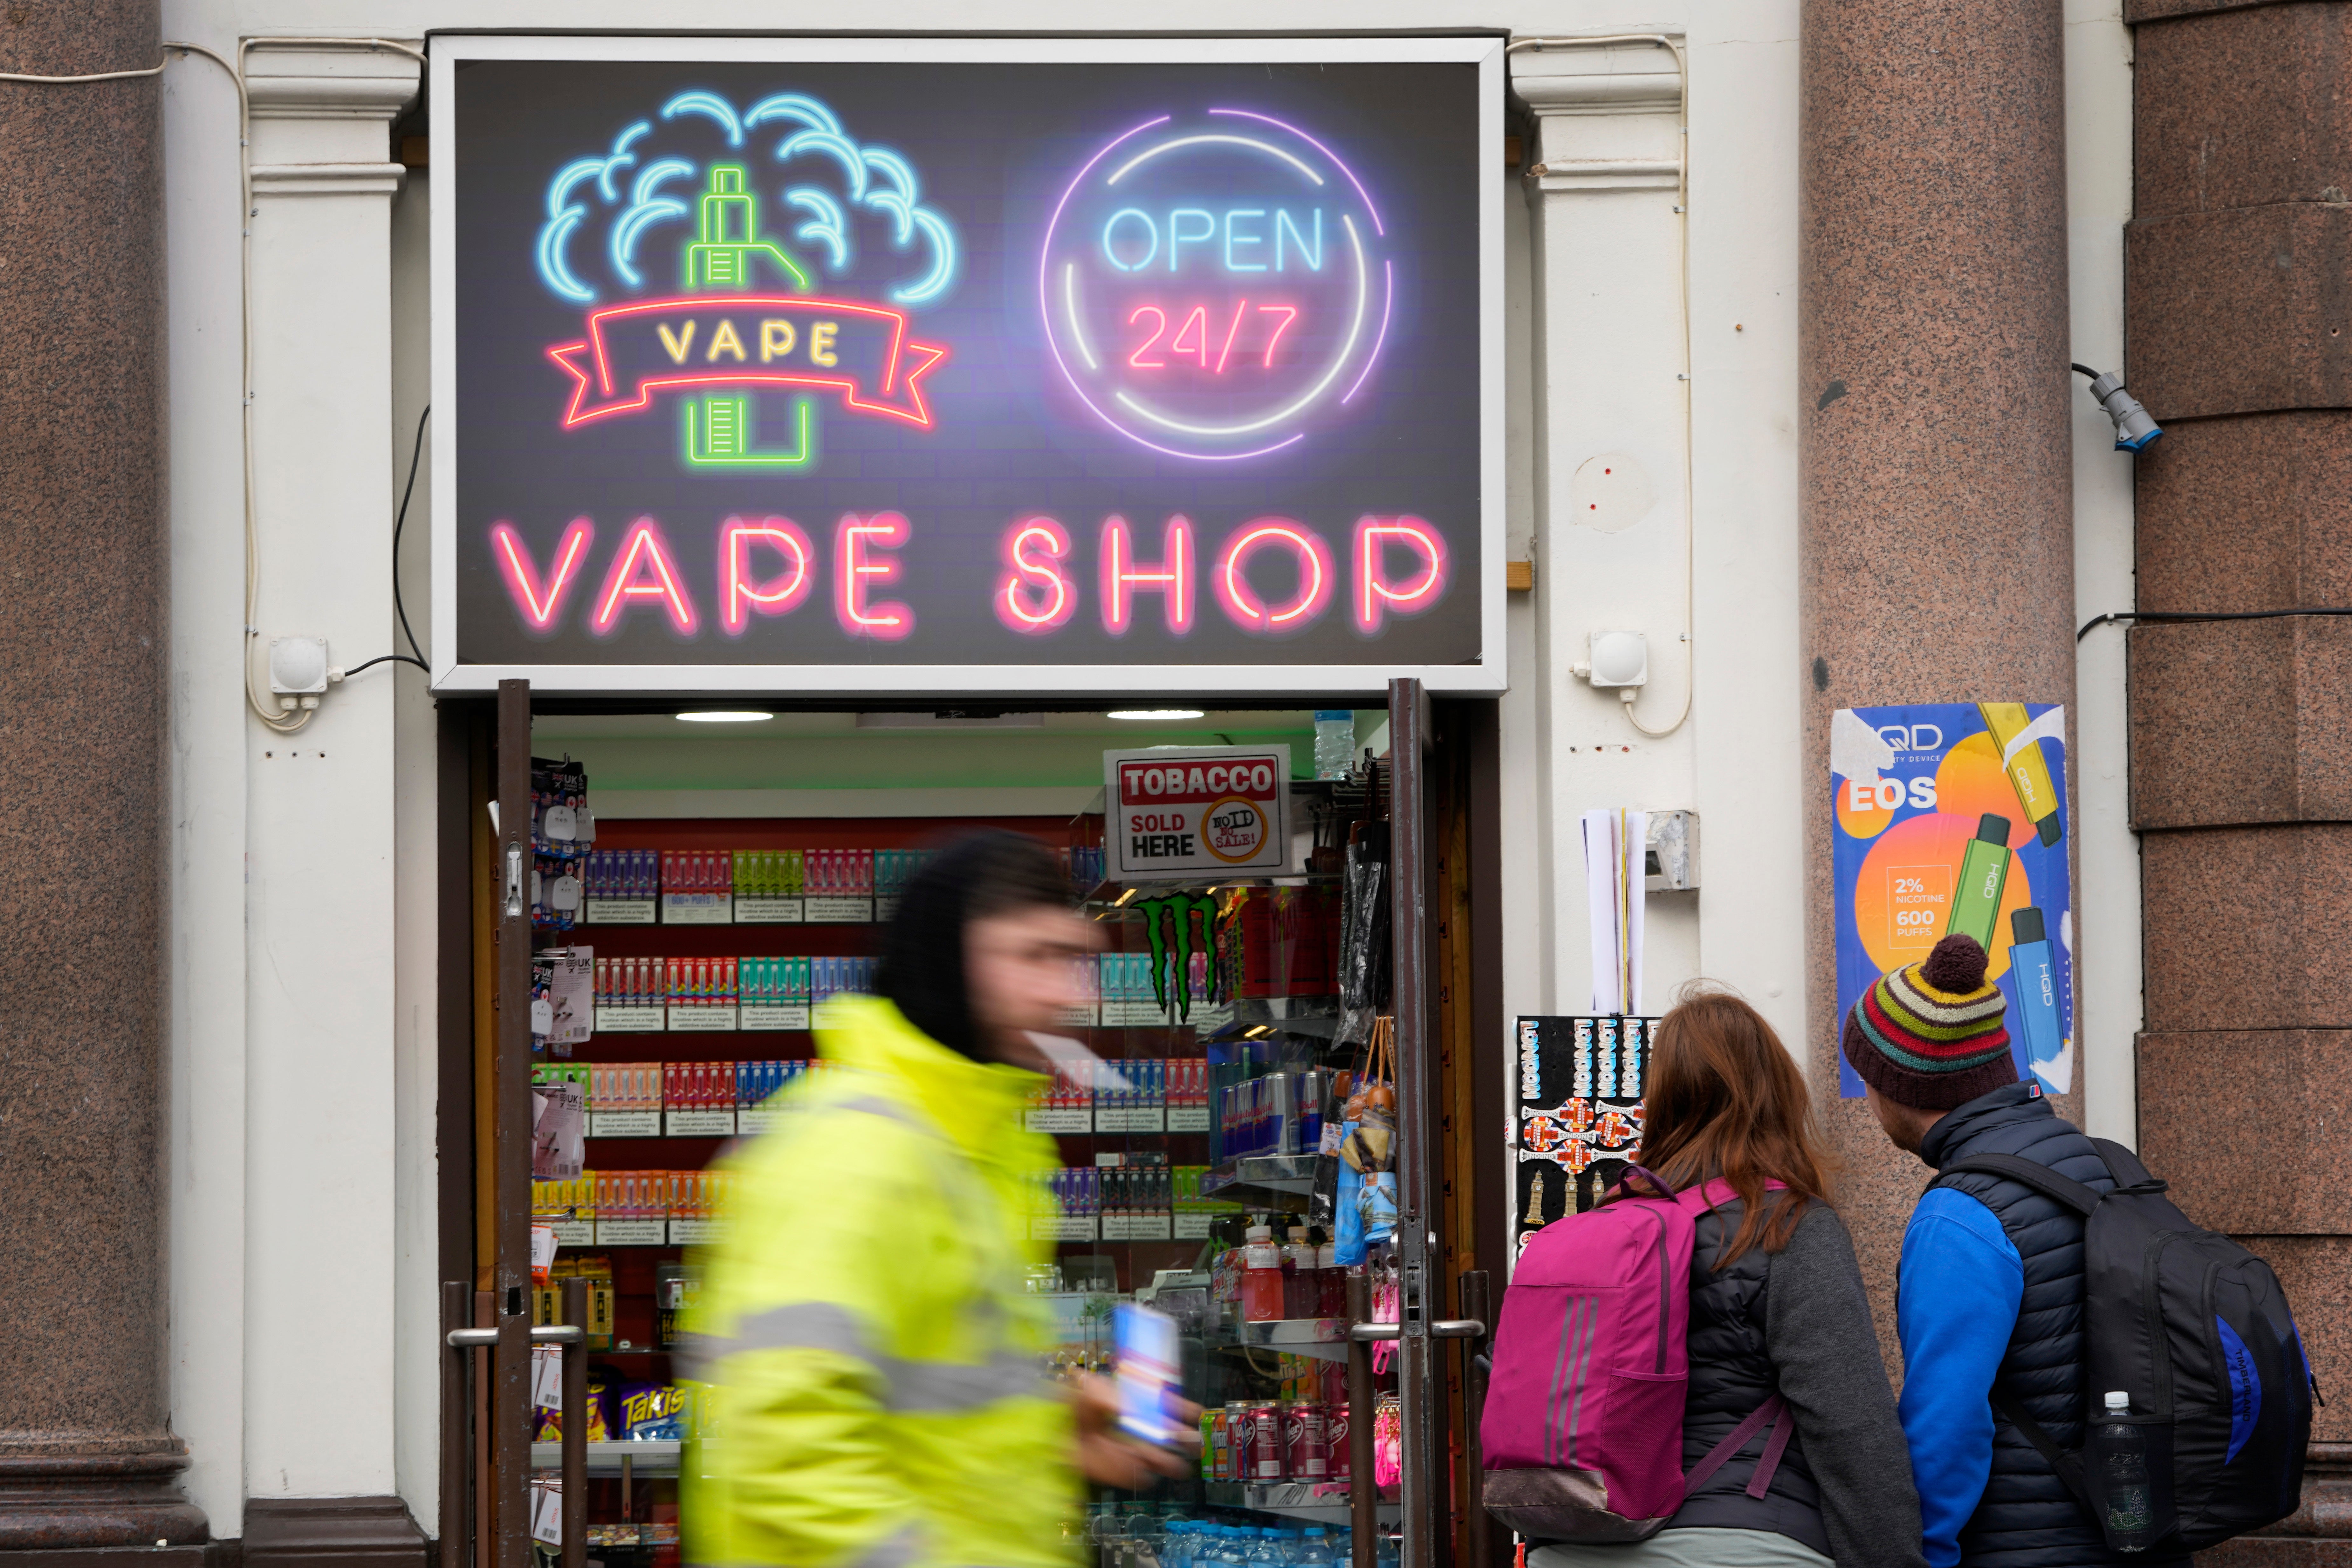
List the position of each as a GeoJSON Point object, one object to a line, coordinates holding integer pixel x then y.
{"type": "Point", "coordinates": [1212, 1445]}
{"type": "Point", "coordinates": [1307, 1441]}
{"type": "Point", "coordinates": [1335, 1436]}
{"type": "Point", "coordinates": [1264, 1456]}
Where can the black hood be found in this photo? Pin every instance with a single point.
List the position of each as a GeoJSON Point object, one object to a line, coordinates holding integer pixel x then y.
{"type": "Point", "coordinates": [922, 957]}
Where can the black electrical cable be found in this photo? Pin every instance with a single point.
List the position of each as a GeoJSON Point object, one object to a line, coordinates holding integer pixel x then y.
{"type": "Point", "coordinates": [2201, 615]}
{"type": "Point", "coordinates": [415, 452]}
{"type": "Point", "coordinates": [381, 657]}
{"type": "Point", "coordinates": [2086, 370]}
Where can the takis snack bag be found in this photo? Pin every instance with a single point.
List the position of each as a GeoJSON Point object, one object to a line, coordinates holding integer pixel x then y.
{"type": "Point", "coordinates": [651, 1411]}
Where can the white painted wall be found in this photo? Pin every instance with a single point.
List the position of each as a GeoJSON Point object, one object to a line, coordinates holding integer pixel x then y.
{"type": "Point", "coordinates": [416, 1285]}
{"type": "Point", "coordinates": [303, 1000]}
{"type": "Point", "coordinates": [2098, 204]}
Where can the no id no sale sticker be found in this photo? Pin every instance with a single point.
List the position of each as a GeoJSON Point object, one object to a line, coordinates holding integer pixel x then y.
{"type": "Point", "coordinates": [1190, 812]}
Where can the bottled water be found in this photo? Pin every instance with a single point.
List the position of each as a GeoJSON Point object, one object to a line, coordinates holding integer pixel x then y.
{"type": "Point", "coordinates": [2122, 1448]}
{"type": "Point", "coordinates": [1335, 743]}
{"type": "Point", "coordinates": [1266, 1552]}
{"type": "Point", "coordinates": [1315, 1551]}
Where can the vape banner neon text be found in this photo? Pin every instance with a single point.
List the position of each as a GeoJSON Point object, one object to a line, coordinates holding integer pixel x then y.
{"type": "Point", "coordinates": [860, 353]}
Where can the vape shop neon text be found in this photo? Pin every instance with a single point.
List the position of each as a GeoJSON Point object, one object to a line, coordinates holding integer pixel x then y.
{"type": "Point", "coordinates": [1268, 577]}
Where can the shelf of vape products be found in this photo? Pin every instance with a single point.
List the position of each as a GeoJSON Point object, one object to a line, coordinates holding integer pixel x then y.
{"type": "Point", "coordinates": [633, 1208]}
{"type": "Point", "coordinates": [1124, 1203]}
{"type": "Point", "coordinates": [651, 995]}
{"type": "Point", "coordinates": [679, 1098]}
{"type": "Point", "coordinates": [1159, 1094]}
{"type": "Point", "coordinates": [746, 887]}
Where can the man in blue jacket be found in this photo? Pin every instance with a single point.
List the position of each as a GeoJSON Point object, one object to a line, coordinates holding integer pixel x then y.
{"type": "Point", "coordinates": [1989, 1290]}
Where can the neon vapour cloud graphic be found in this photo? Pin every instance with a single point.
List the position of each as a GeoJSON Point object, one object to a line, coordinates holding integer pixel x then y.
{"type": "Point", "coordinates": [1217, 284]}
{"type": "Point", "coordinates": [809, 204]}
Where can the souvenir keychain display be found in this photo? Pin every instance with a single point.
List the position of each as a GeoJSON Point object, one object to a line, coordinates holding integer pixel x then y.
{"type": "Point", "coordinates": [1580, 1110]}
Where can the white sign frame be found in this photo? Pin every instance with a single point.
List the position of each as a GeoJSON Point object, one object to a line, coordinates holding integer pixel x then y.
{"type": "Point", "coordinates": [1488, 676]}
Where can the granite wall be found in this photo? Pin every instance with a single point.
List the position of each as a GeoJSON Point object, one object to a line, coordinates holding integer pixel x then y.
{"type": "Point", "coordinates": [2238, 296]}
{"type": "Point", "coordinates": [87, 1457]}
{"type": "Point", "coordinates": [1937, 482]}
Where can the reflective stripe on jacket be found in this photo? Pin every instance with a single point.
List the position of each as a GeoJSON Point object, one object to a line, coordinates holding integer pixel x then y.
{"type": "Point", "coordinates": [876, 1362]}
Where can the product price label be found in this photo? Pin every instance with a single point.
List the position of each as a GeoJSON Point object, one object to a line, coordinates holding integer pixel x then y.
{"type": "Point", "coordinates": [700, 1123]}
{"type": "Point", "coordinates": [629, 1020]}
{"type": "Point", "coordinates": [632, 1232]}
{"type": "Point", "coordinates": [775, 1014]}
{"type": "Point", "coordinates": [1135, 1228]}
{"type": "Point", "coordinates": [698, 909]}
{"type": "Point", "coordinates": [1208, 1016]}
{"type": "Point", "coordinates": [689, 1232]}
{"type": "Point", "coordinates": [621, 911]}
{"type": "Point", "coordinates": [1129, 1119]}
{"type": "Point", "coordinates": [701, 1020]}
{"type": "Point", "coordinates": [1060, 1118]}
{"type": "Point", "coordinates": [1188, 1119]}
{"type": "Point", "coordinates": [624, 1123]}
{"type": "Point", "coordinates": [771, 911]}
{"type": "Point", "coordinates": [835, 911]}
{"type": "Point", "coordinates": [1062, 1228]}
{"type": "Point", "coordinates": [1193, 1227]}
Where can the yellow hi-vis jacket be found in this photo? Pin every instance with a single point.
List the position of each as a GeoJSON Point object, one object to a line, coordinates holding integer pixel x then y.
{"type": "Point", "coordinates": [877, 1364]}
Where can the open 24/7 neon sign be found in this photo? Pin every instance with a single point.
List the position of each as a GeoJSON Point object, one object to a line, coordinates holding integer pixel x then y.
{"type": "Point", "coordinates": [769, 566]}
{"type": "Point", "coordinates": [1214, 285]}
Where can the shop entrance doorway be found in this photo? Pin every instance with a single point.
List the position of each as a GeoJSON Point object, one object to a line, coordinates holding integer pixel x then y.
{"type": "Point", "coordinates": [639, 945]}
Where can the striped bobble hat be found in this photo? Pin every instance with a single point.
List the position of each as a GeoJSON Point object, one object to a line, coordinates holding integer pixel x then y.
{"type": "Point", "coordinates": [1929, 1035]}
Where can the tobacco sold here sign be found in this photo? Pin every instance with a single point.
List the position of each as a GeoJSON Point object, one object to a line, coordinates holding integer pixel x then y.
{"type": "Point", "coordinates": [1184, 813]}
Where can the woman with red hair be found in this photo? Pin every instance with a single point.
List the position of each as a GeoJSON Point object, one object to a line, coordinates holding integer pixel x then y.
{"type": "Point", "coordinates": [1776, 1306]}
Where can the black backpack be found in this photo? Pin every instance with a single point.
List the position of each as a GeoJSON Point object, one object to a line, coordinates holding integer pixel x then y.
{"type": "Point", "coordinates": [2195, 1329]}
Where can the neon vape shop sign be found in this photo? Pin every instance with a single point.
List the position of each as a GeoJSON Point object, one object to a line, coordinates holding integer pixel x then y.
{"type": "Point", "coordinates": [1090, 362]}
{"type": "Point", "coordinates": [771, 567]}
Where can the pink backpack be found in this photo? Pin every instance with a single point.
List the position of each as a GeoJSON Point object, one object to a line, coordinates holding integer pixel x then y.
{"type": "Point", "coordinates": [1582, 1433]}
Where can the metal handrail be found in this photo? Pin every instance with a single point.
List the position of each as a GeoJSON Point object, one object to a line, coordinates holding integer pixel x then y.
{"type": "Point", "coordinates": [1442, 1329]}
{"type": "Point", "coordinates": [545, 1334]}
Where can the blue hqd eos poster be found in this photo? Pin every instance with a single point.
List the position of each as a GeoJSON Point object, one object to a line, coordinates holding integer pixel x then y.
{"type": "Point", "coordinates": [1952, 816]}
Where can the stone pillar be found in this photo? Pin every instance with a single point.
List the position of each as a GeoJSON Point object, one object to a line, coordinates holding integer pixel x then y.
{"type": "Point", "coordinates": [323, 1138]}
{"type": "Point", "coordinates": [87, 1455]}
{"type": "Point", "coordinates": [1937, 472]}
{"type": "Point", "coordinates": [2235, 328]}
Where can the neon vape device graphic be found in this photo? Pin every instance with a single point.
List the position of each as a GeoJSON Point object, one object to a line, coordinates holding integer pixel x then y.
{"type": "Point", "coordinates": [753, 313]}
{"type": "Point", "coordinates": [1217, 284]}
